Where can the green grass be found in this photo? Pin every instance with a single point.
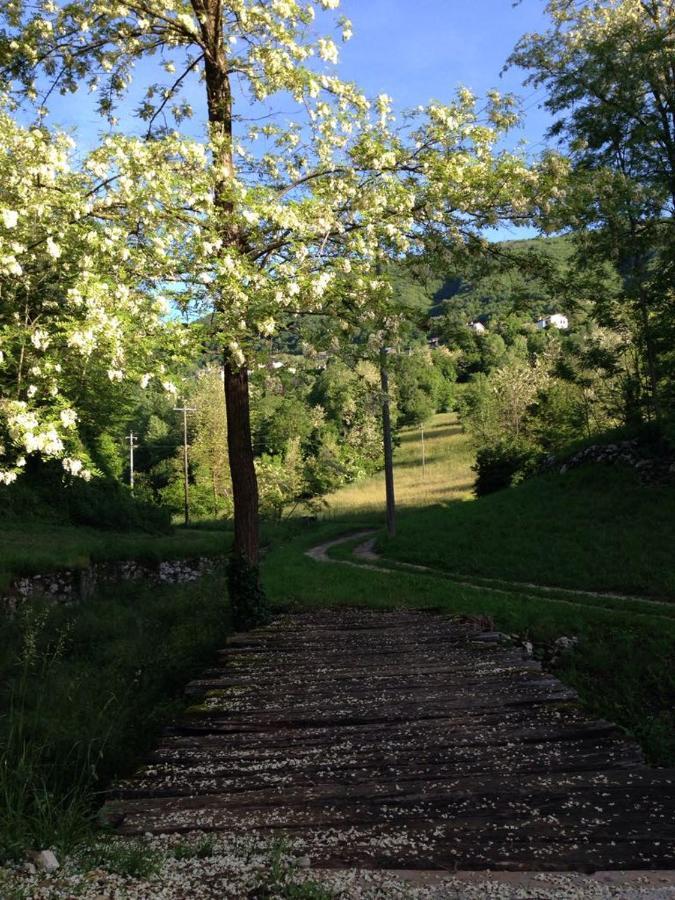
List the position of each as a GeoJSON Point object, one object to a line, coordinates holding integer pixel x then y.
{"type": "Point", "coordinates": [639, 606]}
{"type": "Point", "coordinates": [596, 528]}
{"type": "Point", "coordinates": [30, 547]}
{"type": "Point", "coordinates": [447, 475]}
{"type": "Point", "coordinates": [85, 691]}
{"type": "Point", "coordinates": [131, 859]}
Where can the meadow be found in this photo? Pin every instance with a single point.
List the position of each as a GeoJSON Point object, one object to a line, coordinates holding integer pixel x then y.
{"type": "Point", "coordinates": [446, 475]}
{"type": "Point", "coordinates": [87, 688]}
{"type": "Point", "coordinates": [596, 528]}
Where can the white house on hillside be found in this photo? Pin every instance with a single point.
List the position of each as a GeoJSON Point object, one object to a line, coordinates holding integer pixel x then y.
{"type": "Point", "coordinates": [557, 320]}
{"type": "Point", "coordinates": [478, 327]}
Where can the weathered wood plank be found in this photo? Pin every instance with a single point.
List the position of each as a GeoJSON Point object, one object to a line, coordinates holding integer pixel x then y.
{"type": "Point", "coordinates": [400, 740]}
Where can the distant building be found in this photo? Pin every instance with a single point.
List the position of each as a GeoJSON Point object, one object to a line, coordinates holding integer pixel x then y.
{"type": "Point", "coordinates": [557, 320]}
{"type": "Point", "coordinates": [478, 327]}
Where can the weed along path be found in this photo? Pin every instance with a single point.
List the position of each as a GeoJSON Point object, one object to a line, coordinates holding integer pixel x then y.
{"type": "Point", "coordinates": [401, 740]}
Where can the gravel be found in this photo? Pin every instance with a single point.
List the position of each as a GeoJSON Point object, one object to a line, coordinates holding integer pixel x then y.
{"type": "Point", "coordinates": [237, 867]}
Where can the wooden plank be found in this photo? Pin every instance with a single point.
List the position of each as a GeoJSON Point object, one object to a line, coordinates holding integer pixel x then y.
{"type": "Point", "coordinates": [398, 739]}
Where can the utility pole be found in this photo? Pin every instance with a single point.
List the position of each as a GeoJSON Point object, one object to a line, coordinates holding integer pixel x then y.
{"type": "Point", "coordinates": [388, 448]}
{"type": "Point", "coordinates": [424, 455]}
{"type": "Point", "coordinates": [132, 447]}
{"type": "Point", "coordinates": [186, 486]}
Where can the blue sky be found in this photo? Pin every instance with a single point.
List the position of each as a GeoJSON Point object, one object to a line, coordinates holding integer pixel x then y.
{"type": "Point", "coordinates": [423, 55]}
{"type": "Point", "coordinates": [418, 50]}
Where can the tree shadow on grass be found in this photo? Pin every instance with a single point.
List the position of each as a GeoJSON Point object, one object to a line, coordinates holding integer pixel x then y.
{"type": "Point", "coordinates": [431, 435]}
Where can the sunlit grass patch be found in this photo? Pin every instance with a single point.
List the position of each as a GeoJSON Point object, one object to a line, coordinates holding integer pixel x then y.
{"type": "Point", "coordinates": [445, 476]}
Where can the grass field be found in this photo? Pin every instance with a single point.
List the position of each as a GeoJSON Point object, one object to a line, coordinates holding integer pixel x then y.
{"type": "Point", "coordinates": [32, 546]}
{"type": "Point", "coordinates": [595, 528]}
{"type": "Point", "coordinates": [447, 475]}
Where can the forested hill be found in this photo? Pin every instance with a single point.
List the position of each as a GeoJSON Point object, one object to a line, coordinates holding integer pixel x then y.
{"type": "Point", "coordinates": [525, 276]}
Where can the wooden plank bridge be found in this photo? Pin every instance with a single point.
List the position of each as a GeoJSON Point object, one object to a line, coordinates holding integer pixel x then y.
{"type": "Point", "coordinates": [402, 740]}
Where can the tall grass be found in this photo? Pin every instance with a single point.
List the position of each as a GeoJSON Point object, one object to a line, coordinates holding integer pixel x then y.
{"type": "Point", "coordinates": [86, 691]}
{"type": "Point", "coordinates": [446, 475]}
{"type": "Point", "coordinates": [37, 804]}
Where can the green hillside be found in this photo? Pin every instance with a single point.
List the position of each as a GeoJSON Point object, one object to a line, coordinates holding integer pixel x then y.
{"type": "Point", "coordinates": [515, 276]}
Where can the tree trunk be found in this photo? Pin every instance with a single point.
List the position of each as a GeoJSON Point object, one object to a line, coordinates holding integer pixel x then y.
{"type": "Point", "coordinates": [242, 467]}
{"type": "Point", "coordinates": [650, 354]}
{"type": "Point", "coordinates": [246, 596]}
{"type": "Point", "coordinates": [388, 447]}
{"type": "Point", "coordinates": [634, 269]}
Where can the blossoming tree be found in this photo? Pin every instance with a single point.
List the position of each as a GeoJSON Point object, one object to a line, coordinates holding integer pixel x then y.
{"type": "Point", "coordinates": [289, 218]}
{"type": "Point", "coordinates": [77, 320]}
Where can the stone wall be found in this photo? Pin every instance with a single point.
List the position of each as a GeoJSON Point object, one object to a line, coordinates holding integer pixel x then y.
{"type": "Point", "coordinates": [71, 585]}
{"type": "Point", "coordinates": [651, 469]}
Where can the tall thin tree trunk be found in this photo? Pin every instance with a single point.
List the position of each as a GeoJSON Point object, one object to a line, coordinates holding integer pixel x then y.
{"type": "Point", "coordinates": [242, 467]}
{"type": "Point", "coordinates": [634, 268]}
{"type": "Point", "coordinates": [388, 447]}
{"type": "Point", "coordinates": [246, 596]}
{"type": "Point", "coordinates": [650, 354]}
{"type": "Point", "coordinates": [214, 488]}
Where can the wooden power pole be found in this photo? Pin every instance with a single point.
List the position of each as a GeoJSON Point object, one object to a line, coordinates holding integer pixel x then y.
{"type": "Point", "coordinates": [132, 447]}
{"type": "Point", "coordinates": [186, 471]}
{"type": "Point", "coordinates": [388, 447]}
{"type": "Point", "coordinates": [424, 455]}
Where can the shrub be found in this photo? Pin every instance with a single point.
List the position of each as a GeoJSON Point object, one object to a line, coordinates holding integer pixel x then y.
{"type": "Point", "coordinates": [99, 503]}
{"type": "Point", "coordinates": [104, 503]}
{"type": "Point", "coordinates": [503, 464]}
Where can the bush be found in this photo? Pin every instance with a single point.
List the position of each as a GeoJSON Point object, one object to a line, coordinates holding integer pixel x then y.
{"type": "Point", "coordinates": [503, 464]}
{"type": "Point", "coordinates": [106, 504]}
{"type": "Point", "coordinates": [100, 503]}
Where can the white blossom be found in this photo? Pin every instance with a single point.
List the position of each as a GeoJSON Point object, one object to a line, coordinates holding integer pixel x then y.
{"type": "Point", "coordinates": [10, 218]}
{"type": "Point", "coordinates": [72, 466]}
{"type": "Point", "coordinates": [53, 248]}
{"type": "Point", "coordinates": [68, 418]}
